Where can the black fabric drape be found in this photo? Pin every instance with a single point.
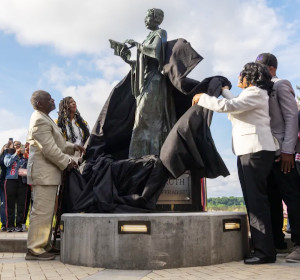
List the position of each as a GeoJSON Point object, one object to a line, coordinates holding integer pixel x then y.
{"type": "Point", "coordinates": [190, 145]}
{"type": "Point", "coordinates": [180, 60]}
{"type": "Point", "coordinates": [112, 131]}
{"type": "Point", "coordinates": [112, 183]}
{"type": "Point", "coordinates": [134, 185]}
{"type": "Point", "coordinates": [116, 186]}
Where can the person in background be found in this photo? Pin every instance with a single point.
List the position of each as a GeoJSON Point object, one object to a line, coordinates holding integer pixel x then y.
{"type": "Point", "coordinates": [283, 180]}
{"type": "Point", "coordinates": [297, 163]}
{"type": "Point", "coordinates": [15, 189]}
{"type": "Point", "coordinates": [255, 147]}
{"type": "Point", "coordinates": [23, 174]}
{"type": "Point", "coordinates": [73, 126]}
{"type": "Point", "coordinates": [297, 157]}
{"type": "Point", "coordinates": [2, 180]}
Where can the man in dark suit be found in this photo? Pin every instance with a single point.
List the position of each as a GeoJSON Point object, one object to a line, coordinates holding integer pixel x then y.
{"type": "Point", "coordinates": [284, 181]}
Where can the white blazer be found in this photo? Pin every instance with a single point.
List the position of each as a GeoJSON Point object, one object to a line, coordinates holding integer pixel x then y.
{"type": "Point", "coordinates": [249, 114]}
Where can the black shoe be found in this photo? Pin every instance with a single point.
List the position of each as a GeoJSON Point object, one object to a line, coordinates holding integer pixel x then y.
{"type": "Point", "coordinates": [10, 229]}
{"type": "Point", "coordinates": [249, 256]}
{"type": "Point", "coordinates": [54, 251]}
{"type": "Point", "coordinates": [3, 228]}
{"type": "Point", "coordinates": [258, 260]}
{"type": "Point", "coordinates": [42, 257]}
{"type": "Point", "coordinates": [19, 229]}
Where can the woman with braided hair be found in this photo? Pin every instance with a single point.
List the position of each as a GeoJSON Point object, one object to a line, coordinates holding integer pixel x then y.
{"type": "Point", "coordinates": [73, 126]}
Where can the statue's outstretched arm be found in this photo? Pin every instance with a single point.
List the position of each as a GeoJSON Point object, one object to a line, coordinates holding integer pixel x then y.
{"type": "Point", "coordinates": [122, 50]}
{"type": "Point", "coordinates": [132, 43]}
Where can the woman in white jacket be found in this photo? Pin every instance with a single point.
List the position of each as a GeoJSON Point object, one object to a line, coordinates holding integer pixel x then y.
{"type": "Point", "coordinates": [255, 147]}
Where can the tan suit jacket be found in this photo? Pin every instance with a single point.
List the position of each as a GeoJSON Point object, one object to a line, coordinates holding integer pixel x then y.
{"type": "Point", "coordinates": [48, 151]}
{"type": "Point", "coordinates": [249, 114]}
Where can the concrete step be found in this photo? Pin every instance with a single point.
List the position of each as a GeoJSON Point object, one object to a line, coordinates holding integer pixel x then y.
{"type": "Point", "coordinates": [15, 242]}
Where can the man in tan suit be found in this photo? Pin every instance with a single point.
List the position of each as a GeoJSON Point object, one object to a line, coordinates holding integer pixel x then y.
{"type": "Point", "coordinates": [48, 157]}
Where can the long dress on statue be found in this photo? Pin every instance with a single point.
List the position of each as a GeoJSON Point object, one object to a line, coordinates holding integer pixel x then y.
{"type": "Point", "coordinates": [155, 111]}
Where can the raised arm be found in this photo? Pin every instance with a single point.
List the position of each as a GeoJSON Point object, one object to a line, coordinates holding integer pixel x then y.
{"type": "Point", "coordinates": [246, 101]}
{"type": "Point", "coordinates": [226, 93]}
{"type": "Point", "coordinates": [10, 159]}
{"type": "Point", "coordinates": [121, 49]}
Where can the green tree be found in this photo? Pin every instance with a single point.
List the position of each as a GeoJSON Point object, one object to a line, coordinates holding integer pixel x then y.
{"type": "Point", "coordinates": [226, 201]}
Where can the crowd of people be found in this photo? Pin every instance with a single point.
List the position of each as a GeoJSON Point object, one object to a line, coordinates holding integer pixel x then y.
{"type": "Point", "coordinates": [15, 193]}
{"type": "Point", "coordinates": [265, 135]}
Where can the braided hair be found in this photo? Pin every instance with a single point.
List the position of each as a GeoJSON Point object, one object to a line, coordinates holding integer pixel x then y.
{"type": "Point", "coordinates": [258, 75]}
{"type": "Point", "coordinates": [64, 120]}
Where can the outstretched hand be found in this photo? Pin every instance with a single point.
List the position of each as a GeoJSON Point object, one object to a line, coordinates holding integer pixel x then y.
{"type": "Point", "coordinates": [196, 98]}
{"type": "Point", "coordinates": [131, 42]}
{"type": "Point", "coordinates": [79, 149]}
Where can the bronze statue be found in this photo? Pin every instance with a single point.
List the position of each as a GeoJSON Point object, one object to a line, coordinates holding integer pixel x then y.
{"type": "Point", "coordinates": [155, 113]}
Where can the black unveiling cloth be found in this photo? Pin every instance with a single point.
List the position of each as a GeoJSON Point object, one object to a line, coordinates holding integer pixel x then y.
{"type": "Point", "coordinates": [111, 182]}
{"type": "Point", "coordinates": [190, 146]}
{"type": "Point", "coordinates": [115, 186]}
{"type": "Point", "coordinates": [112, 132]}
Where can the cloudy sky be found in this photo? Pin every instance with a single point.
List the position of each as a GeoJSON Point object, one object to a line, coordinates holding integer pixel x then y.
{"type": "Point", "coordinates": [62, 46]}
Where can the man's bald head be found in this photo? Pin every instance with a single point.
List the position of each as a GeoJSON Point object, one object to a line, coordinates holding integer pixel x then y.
{"type": "Point", "coordinates": [41, 100]}
{"type": "Point", "coordinates": [36, 98]}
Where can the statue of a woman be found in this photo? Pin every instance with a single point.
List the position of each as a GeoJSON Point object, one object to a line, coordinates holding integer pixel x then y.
{"type": "Point", "coordinates": [155, 112]}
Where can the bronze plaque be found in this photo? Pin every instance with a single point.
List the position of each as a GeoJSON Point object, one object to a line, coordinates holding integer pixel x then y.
{"type": "Point", "coordinates": [177, 191]}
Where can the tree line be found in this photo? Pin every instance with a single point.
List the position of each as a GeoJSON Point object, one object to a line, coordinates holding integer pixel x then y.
{"type": "Point", "coordinates": [226, 201]}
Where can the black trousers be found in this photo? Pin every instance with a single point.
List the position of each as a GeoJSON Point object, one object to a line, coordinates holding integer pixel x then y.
{"type": "Point", "coordinates": [253, 170]}
{"type": "Point", "coordinates": [15, 194]}
{"type": "Point", "coordinates": [297, 163]}
{"type": "Point", "coordinates": [27, 203]}
{"type": "Point", "coordinates": [2, 205]}
{"type": "Point", "coordinates": [284, 187]}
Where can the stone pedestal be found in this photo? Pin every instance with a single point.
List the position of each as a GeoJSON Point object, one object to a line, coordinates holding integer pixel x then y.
{"type": "Point", "coordinates": [172, 240]}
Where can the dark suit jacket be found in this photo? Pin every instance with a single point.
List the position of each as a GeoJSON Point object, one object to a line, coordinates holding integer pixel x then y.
{"type": "Point", "coordinates": [284, 116]}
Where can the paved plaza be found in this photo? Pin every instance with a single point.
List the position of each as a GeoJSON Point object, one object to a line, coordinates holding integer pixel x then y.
{"type": "Point", "coordinates": [13, 266]}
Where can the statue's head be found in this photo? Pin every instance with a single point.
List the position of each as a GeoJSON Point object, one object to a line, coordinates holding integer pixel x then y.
{"type": "Point", "coordinates": [154, 18]}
